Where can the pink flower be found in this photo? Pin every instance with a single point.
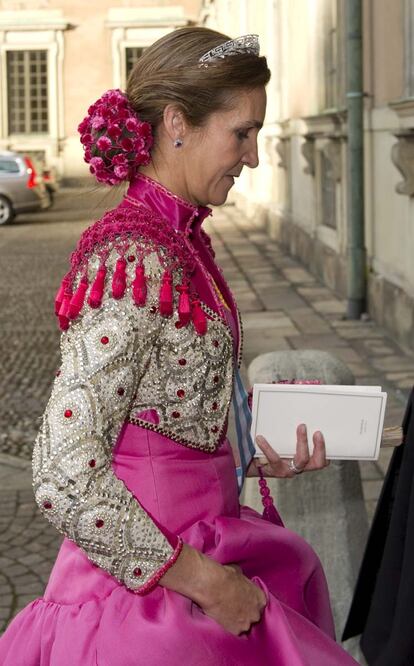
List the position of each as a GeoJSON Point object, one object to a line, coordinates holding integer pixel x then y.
{"type": "Point", "coordinates": [132, 124]}
{"type": "Point", "coordinates": [121, 172]}
{"type": "Point", "coordinates": [120, 159]}
{"type": "Point", "coordinates": [114, 131]}
{"type": "Point", "coordinates": [124, 140]}
{"type": "Point", "coordinates": [139, 144]}
{"type": "Point", "coordinates": [115, 97]}
{"type": "Point", "coordinates": [127, 144]}
{"type": "Point", "coordinates": [83, 126]}
{"type": "Point", "coordinates": [86, 139]}
{"type": "Point", "coordinates": [104, 143]}
{"type": "Point", "coordinates": [97, 162]}
{"type": "Point", "coordinates": [97, 123]}
{"type": "Point", "coordinates": [145, 130]}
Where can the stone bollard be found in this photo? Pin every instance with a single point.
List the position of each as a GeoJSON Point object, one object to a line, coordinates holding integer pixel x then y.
{"type": "Point", "coordinates": [327, 507]}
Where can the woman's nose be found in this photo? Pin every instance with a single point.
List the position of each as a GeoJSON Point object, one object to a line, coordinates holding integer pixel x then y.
{"type": "Point", "coordinates": [251, 158]}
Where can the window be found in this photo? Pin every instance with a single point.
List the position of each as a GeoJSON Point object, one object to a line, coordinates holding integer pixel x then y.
{"type": "Point", "coordinates": [328, 193]}
{"type": "Point", "coordinates": [333, 54]}
{"type": "Point", "coordinates": [27, 83]}
{"type": "Point", "coordinates": [132, 53]}
{"type": "Point", "coordinates": [9, 166]}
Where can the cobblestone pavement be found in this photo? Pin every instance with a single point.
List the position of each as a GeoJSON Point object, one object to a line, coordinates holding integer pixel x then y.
{"type": "Point", "coordinates": [284, 307]}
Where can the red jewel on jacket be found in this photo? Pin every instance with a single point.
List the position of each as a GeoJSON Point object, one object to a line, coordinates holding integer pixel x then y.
{"type": "Point", "coordinates": [68, 413]}
{"type": "Point", "coordinates": [176, 415]}
{"type": "Point", "coordinates": [99, 522]}
{"type": "Point", "coordinates": [216, 343]}
{"type": "Point", "coordinates": [153, 309]}
{"type": "Point", "coordinates": [104, 339]}
{"type": "Point", "coordinates": [121, 391]}
{"type": "Point", "coordinates": [214, 406]}
{"type": "Point", "coordinates": [92, 463]}
{"type": "Point", "coordinates": [137, 572]}
{"type": "Point", "coordinates": [181, 393]}
{"type": "Point", "coordinates": [182, 361]}
{"type": "Point", "coordinates": [131, 258]}
{"type": "Point", "coordinates": [47, 505]}
{"type": "Point", "coordinates": [214, 429]}
{"type": "Point", "coordinates": [216, 379]}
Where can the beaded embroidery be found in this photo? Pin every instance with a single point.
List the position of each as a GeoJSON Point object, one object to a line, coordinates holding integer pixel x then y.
{"type": "Point", "coordinates": [186, 378]}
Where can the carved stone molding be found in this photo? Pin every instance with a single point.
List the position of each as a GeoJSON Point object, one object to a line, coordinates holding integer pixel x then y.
{"type": "Point", "coordinates": [402, 155]}
{"type": "Point", "coordinates": [282, 147]}
{"type": "Point", "coordinates": [331, 148]}
{"type": "Point", "coordinates": [308, 152]}
{"type": "Point", "coordinates": [271, 147]}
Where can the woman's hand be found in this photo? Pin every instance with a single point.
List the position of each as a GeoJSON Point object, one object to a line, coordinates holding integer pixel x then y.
{"type": "Point", "coordinates": [222, 591]}
{"type": "Point", "coordinates": [273, 465]}
{"type": "Point", "coordinates": [234, 601]}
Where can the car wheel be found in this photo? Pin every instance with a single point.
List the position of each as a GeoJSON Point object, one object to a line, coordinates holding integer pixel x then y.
{"type": "Point", "coordinates": [6, 210]}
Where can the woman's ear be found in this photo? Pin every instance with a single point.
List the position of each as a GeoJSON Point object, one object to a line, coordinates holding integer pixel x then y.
{"type": "Point", "coordinates": [174, 122]}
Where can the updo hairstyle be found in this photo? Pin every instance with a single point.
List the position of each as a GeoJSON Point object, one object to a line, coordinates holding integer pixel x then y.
{"type": "Point", "coordinates": [168, 72]}
{"type": "Point", "coordinates": [118, 132]}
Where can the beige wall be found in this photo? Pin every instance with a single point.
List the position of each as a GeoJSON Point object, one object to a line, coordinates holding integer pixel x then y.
{"type": "Point", "coordinates": [85, 42]}
{"type": "Point", "coordinates": [287, 200]}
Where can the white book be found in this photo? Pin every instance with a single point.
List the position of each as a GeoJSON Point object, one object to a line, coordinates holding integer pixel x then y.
{"type": "Point", "coordinates": [351, 418]}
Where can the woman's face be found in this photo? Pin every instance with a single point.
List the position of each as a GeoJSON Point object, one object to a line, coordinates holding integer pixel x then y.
{"type": "Point", "coordinates": [215, 155]}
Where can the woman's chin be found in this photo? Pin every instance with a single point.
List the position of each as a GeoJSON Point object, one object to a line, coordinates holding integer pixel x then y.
{"type": "Point", "coordinates": [219, 198]}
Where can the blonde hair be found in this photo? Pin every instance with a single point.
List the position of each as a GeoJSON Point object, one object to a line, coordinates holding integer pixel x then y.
{"type": "Point", "coordinates": [168, 72]}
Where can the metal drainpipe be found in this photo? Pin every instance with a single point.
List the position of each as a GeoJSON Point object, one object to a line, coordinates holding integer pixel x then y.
{"type": "Point", "coordinates": [356, 253]}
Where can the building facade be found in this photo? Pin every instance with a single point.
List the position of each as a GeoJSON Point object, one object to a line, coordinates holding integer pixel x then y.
{"type": "Point", "coordinates": [58, 56]}
{"type": "Point", "coordinates": [301, 191]}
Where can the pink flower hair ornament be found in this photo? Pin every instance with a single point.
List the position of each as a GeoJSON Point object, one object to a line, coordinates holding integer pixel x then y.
{"type": "Point", "coordinates": [116, 142]}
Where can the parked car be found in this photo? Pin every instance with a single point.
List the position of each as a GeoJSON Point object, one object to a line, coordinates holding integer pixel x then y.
{"type": "Point", "coordinates": [22, 187]}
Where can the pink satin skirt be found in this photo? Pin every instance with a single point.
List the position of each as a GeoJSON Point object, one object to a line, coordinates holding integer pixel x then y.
{"type": "Point", "coordinates": [87, 618]}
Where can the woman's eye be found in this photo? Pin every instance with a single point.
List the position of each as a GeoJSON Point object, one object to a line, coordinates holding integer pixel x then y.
{"type": "Point", "coordinates": [242, 135]}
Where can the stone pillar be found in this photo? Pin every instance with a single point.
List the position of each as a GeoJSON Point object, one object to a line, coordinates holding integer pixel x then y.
{"type": "Point", "coordinates": [327, 507]}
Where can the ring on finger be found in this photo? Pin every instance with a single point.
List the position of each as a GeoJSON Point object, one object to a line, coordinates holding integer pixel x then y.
{"type": "Point", "coordinates": [293, 467]}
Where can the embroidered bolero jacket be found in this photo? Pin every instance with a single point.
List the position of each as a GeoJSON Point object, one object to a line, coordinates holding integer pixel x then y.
{"type": "Point", "coordinates": [147, 339]}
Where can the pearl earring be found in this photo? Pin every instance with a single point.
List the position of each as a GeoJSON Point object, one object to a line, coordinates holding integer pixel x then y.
{"type": "Point", "coordinates": [178, 143]}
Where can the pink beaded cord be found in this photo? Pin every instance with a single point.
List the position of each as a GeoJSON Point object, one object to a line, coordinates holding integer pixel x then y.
{"type": "Point", "coordinates": [269, 512]}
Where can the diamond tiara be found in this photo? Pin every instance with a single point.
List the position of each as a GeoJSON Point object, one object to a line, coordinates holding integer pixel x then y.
{"type": "Point", "coordinates": [239, 46]}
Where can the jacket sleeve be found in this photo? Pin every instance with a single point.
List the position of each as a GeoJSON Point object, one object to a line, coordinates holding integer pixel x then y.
{"type": "Point", "coordinates": [103, 357]}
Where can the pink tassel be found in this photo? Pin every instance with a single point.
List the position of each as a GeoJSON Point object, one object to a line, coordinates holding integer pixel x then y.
{"type": "Point", "coordinates": [61, 293]}
{"type": "Point", "coordinates": [184, 307]}
{"type": "Point", "coordinates": [78, 299]}
{"type": "Point", "coordinates": [64, 310]}
{"type": "Point", "coordinates": [139, 286]}
{"type": "Point", "coordinates": [166, 295]}
{"type": "Point", "coordinates": [198, 317]}
{"type": "Point", "coordinates": [119, 279]}
{"type": "Point", "coordinates": [97, 289]}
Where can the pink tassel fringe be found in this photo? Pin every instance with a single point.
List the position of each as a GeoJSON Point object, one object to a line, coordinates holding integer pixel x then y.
{"type": "Point", "coordinates": [139, 286]}
{"type": "Point", "coordinates": [97, 289]}
{"type": "Point", "coordinates": [119, 279]}
{"type": "Point", "coordinates": [166, 295]}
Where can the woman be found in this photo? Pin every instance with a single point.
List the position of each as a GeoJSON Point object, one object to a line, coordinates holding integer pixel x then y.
{"type": "Point", "coordinates": [161, 564]}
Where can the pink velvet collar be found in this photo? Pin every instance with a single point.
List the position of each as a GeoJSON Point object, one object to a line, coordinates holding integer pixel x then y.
{"type": "Point", "coordinates": [182, 215]}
